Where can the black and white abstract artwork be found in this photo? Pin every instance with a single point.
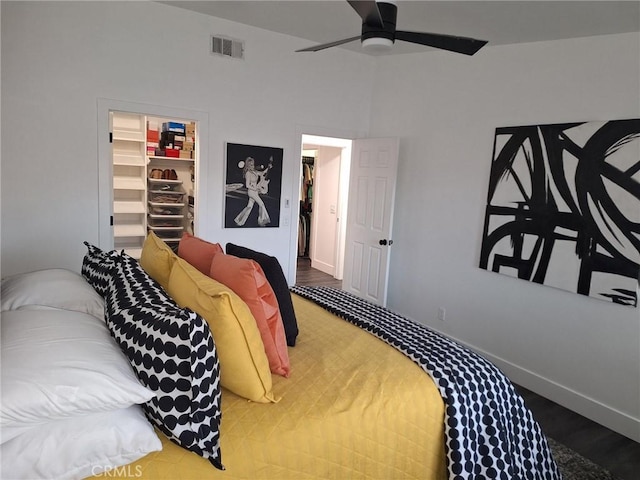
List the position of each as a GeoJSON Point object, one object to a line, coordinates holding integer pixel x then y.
{"type": "Point", "coordinates": [563, 207]}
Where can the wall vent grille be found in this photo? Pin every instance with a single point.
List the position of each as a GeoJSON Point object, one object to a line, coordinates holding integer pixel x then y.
{"type": "Point", "coordinates": [226, 47]}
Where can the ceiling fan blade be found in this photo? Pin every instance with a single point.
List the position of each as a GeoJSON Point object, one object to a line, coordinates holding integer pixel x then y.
{"type": "Point", "coordinates": [465, 45]}
{"type": "Point", "coordinates": [369, 12]}
{"type": "Point", "coordinates": [322, 46]}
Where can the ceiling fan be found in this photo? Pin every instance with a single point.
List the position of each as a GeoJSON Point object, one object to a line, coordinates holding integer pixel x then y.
{"type": "Point", "coordinates": [379, 32]}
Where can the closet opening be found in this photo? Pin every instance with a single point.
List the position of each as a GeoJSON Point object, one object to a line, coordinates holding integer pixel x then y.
{"type": "Point", "coordinates": [323, 208]}
{"type": "Point", "coordinates": [149, 172]}
{"type": "Point", "coordinates": [153, 179]}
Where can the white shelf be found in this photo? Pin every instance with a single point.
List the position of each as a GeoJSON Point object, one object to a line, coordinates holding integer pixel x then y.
{"type": "Point", "coordinates": [128, 183]}
{"type": "Point", "coordinates": [160, 216]}
{"type": "Point", "coordinates": [173, 159]}
{"type": "Point", "coordinates": [166, 228]}
{"type": "Point", "coordinates": [129, 230]}
{"type": "Point", "coordinates": [129, 207]}
{"type": "Point", "coordinates": [126, 135]}
{"type": "Point", "coordinates": [161, 180]}
{"type": "Point", "coordinates": [129, 127]}
{"type": "Point", "coordinates": [128, 159]}
{"type": "Point", "coordinates": [166, 205]}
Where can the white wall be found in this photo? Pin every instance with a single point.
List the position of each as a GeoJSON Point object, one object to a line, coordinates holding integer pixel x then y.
{"type": "Point", "coordinates": [59, 58]}
{"type": "Point", "coordinates": [582, 352]}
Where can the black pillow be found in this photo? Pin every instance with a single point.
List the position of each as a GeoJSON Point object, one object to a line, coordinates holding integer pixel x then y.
{"type": "Point", "coordinates": [173, 353]}
{"type": "Point", "coordinates": [275, 276]}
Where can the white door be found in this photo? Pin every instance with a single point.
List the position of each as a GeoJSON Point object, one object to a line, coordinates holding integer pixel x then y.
{"type": "Point", "coordinates": [370, 217]}
{"type": "Point", "coordinates": [324, 220]}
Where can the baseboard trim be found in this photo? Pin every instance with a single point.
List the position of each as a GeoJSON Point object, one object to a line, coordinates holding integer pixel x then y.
{"type": "Point", "coordinates": [605, 415]}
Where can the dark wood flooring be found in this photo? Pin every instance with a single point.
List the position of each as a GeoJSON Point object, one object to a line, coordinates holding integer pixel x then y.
{"type": "Point", "coordinates": [612, 451]}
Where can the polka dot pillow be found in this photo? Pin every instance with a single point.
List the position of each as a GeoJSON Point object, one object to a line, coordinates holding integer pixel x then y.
{"type": "Point", "coordinates": [97, 268]}
{"type": "Point", "coordinates": [173, 353]}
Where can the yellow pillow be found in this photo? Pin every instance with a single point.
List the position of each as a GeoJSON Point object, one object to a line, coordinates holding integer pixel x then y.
{"type": "Point", "coordinates": [157, 258]}
{"type": "Point", "coordinates": [244, 368]}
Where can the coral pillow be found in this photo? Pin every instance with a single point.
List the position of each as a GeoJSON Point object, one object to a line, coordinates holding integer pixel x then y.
{"type": "Point", "coordinates": [198, 252]}
{"type": "Point", "coordinates": [246, 278]}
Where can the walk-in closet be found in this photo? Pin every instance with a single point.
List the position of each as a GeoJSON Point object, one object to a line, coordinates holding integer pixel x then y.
{"type": "Point", "coordinates": [153, 180]}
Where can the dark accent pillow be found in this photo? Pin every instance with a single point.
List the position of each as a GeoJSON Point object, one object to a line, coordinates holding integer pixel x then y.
{"type": "Point", "coordinates": [275, 276]}
{"type": "Point", "coordinates": [97, 268]}
{"type": "Point", "coordinates": [173, 353]}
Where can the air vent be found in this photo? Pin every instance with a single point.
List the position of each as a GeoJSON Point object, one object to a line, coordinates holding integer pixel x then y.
{"type": "Point", "coordinates": [227, 47]}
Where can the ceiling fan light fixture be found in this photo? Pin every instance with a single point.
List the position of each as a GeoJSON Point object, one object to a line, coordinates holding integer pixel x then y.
{"type": "Point", "coordinates": [377, 44]}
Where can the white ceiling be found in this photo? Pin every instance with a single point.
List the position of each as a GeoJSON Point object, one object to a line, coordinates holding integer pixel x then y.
{"type": "Point", "coordinates": [499, 22]}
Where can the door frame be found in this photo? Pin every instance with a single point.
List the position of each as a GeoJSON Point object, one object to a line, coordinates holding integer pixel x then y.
{"type": "Point", "coordinates": [345, 145]}
{"type": "Point", "coordinates": [297, 185]}
{"type": "Point", "coordinates": [105, 162]}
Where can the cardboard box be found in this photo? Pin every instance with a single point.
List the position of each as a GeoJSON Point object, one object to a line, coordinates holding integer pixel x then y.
{"type": "Point", "coordinates": [188, 146]}
{"type": "Point", "coordinates": [153, 136]}
{"type": "Point", "coordinates": [186, 154]}
{"type": "Point", "coordinates": [190, 129]}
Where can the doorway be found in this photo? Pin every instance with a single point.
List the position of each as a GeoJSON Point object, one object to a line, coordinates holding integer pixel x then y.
{"type": "Point", "coordinates": [323, 207]}
{"type": "Point", "coordinates": [111, 231]}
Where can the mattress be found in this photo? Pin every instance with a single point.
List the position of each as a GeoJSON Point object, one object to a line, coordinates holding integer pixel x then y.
{"type": "Point", "coordinates": [353, 407]}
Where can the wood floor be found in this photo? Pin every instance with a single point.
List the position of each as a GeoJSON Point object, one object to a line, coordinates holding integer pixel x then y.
{"type": "Point", "coordinates": [615, 452]}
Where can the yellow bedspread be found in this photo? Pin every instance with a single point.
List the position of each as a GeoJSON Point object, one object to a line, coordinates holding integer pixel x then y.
{"type": "Point", "coordinates": [352, 408]}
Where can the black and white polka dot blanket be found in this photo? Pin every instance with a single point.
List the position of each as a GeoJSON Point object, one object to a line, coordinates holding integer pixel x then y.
{"type": "Point", "coordinates": [489, 432]}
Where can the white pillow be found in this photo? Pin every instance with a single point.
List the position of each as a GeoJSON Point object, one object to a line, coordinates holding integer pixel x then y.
{"type": "Point", "coordinates": [80, 447]}
{"type": "Point", "coordinates": [53, 288]}
{"type": "Point", "coordinates": [58, 364]}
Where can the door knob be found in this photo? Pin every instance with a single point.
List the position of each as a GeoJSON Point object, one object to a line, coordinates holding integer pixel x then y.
{"type": "Point", "coordinates": [383, 241]}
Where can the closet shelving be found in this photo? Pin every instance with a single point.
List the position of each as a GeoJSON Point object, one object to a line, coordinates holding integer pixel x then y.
{"type": "Point", "coordinates": [142, 203]}
{"type": "Point", "coordinates": [129, 186]}
{"type": "Point", "coordinates": [166, 209]}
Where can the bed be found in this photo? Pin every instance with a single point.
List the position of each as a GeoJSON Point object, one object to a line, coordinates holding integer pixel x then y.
{"type": "Point", "coordinates": [357, 396]}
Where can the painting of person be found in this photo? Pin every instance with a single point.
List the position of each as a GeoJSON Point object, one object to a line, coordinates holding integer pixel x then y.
{"type": "Point", "coordinates": [253, 184]}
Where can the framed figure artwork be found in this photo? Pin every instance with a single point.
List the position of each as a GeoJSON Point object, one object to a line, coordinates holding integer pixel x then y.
{"type": "Point", "coordinates": [253, 186]}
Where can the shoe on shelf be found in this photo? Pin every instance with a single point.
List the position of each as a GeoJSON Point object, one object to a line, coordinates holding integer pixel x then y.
{"type": "Point", "coordinates": [173, 175]}
{"type": "Point", "coordinates": [166, 174]}
{"type": "Point", "coordinates": [155, 173]}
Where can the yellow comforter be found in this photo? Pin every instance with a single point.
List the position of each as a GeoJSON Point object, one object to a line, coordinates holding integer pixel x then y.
{"type": "Point", "coordinates": [352, 408]}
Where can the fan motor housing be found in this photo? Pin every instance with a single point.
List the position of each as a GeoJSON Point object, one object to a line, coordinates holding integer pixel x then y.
{"type": "Point", "coordinates": [389, 13]}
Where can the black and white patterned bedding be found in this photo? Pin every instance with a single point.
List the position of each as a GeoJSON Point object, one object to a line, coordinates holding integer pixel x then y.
{"type": "Point", "coordinates": [489, 432]}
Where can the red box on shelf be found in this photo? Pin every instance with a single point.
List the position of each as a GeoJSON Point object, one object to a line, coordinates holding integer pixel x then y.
{"type": "Point", "coordinates": [172, 152]}
{"type": "Point", "coordinates": [153, 136]}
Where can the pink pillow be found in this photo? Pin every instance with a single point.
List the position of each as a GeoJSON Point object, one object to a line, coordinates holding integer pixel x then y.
{"type": "Point", "coordinates": [198, 252]}
{"type": "Point", "coordinates": [246, 278]}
